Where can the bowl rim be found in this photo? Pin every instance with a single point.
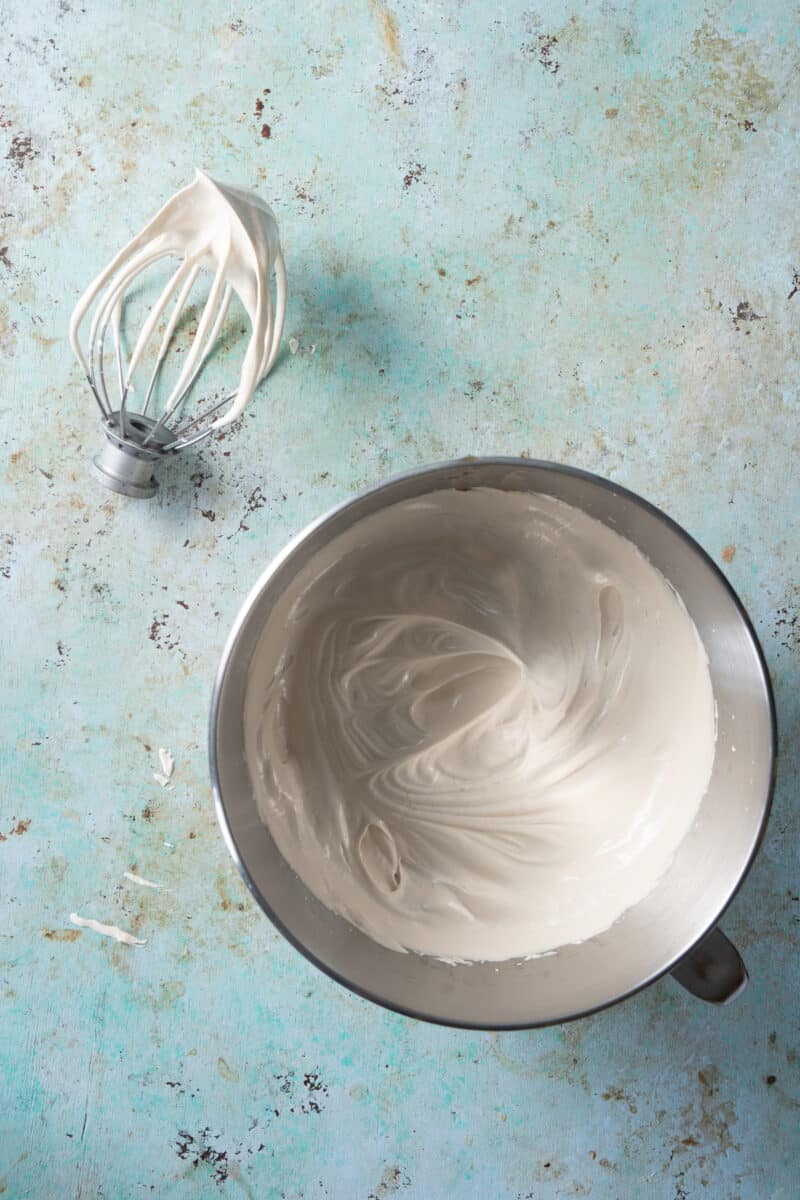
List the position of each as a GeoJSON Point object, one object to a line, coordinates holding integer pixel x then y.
{"type": "Point", "coordinates": [273, 567]}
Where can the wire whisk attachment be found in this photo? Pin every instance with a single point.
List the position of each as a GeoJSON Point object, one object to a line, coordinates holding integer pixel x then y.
{"type": "Point", "coordinates": [208, 227]}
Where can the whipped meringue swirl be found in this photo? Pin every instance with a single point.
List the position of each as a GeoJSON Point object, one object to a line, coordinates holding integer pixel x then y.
{"type": "Point", "coordinates": [479, 724]}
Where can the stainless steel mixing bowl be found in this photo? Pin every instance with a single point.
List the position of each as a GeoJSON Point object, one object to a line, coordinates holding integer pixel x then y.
{"type": "Point", "coordinates": [672, 929]}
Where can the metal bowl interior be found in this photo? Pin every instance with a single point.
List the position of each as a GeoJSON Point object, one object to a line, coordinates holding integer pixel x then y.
{"type": "Point", "coordinates": [651, 937]}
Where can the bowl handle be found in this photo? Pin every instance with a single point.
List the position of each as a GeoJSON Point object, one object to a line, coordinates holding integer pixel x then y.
{"type": "Point", "coordinates": [712, 970]}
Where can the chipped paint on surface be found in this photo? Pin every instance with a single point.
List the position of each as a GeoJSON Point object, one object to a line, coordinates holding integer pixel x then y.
{"type": "Point", "coordinates": [559, 231]}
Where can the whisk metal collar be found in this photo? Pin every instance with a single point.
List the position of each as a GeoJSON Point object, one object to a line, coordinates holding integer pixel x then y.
{"type": "Point", "coordinates": [126, 464]}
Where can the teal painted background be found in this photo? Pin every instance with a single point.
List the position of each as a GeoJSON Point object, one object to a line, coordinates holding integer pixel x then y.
{"type": "Point", "coordinates": [567, 230]}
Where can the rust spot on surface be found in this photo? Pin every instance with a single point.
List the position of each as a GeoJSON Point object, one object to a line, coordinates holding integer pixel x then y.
{"type": "Point", "coordinates": [387, 23]}
{"type": "Point", "coordinates": [616, 1093]}
{"type": "Point", "coordinates": [61, 935]}
{"type": "Point", "coordinates": [209, 514]}
{"type": "Point", "coordinates": [787, 629]}
{"type": "Point", "coordinates": [17, 831]}
{"type": "Point", "coordinates": [770, 1080]}
{"type": "Point", "coordinates": [747, 125]}
{"type": "Point", "coordinates": [266, 130]}
{"type": "Point", "coordinates": [254, 502]}
{"type": "Point", "coordinates": [21, 151]}
{"type": "Point", "coordinates": [225, 901]}
{"type": "Point", "coordinates": [728, 553]}
{"type": "Point", "coordinates": [201, 1149]}
{"type": "Point", "coordinates": [226, 1071]}
{"type": "Point", "coordinates": [159, 634]}
{"type": "Point", "coordinates": [44, 341]}
{"type": "Point", "coordinates": [413, 174]}
{"type": "Point", "coordinates": [712, 1120]}
{"type": "Point", "coordinates": [6, 261]}
{"type": "Point", "coordinates": [392, 1180]}
{"type": "Point", "coordinates": [475, 279]}
{"type": "Point", "coordinates": [544, 45]}
{"type": "Point", "coordinates": [611, 113]}
{"type": "Point", "coordinates": [745, 314]}
{"type": "Point", "coordinates": [259, 106]}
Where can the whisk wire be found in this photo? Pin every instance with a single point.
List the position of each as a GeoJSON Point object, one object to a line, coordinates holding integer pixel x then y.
{"type": "Point", "coordinates": [218, 301]}
{"type": "Point", "coordinates": [180, 433]}
{"type": "Point", "coordinates": [218, 288]}
{"type": "Point", "coordinates": [209, 346]}
{"type": "Point", "coordinates": [153, 317]}
{"type": "Point", "coordinates": [194, 271]}
{"type": "Point", "coordinates": [120, 283]}
{"type": "Point", "coordinates": [97, 331]}
{"type": "Point", "coordinates": [274, 340]}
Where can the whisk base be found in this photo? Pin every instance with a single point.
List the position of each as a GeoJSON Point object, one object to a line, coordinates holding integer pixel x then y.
{"type": "Point", "coordinates": [132, 450]}
{"type": "Point", "coordinates": [126, 481]}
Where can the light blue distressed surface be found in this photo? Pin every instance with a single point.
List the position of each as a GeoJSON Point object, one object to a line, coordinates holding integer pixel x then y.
{"type": "Point", "coordinates": [569, 232]}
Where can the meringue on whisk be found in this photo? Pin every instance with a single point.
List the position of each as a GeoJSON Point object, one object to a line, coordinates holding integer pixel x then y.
{"type": "Point", "coordinates": [211, 227]}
